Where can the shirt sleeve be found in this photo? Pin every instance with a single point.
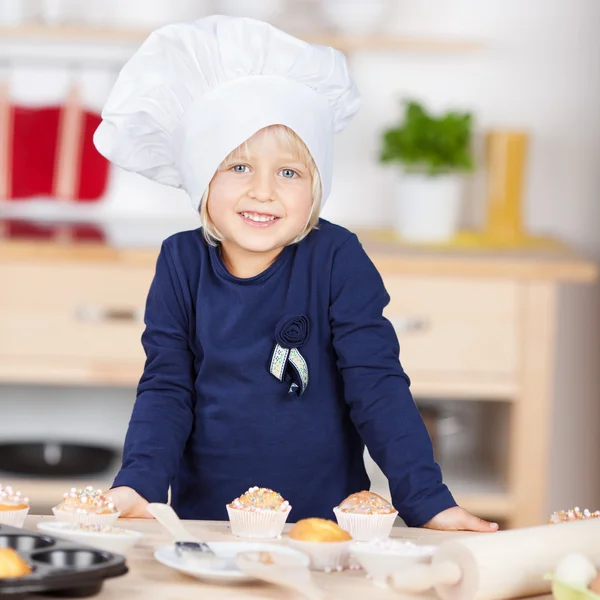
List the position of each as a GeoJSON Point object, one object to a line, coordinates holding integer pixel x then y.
{"type": "Point", "coordinates": [377, 389]}
{"type": "Point", "coordinates": [163, 412]}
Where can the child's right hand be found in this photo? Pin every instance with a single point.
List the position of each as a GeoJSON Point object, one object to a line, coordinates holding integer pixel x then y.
{"type": "Point", "coordinates": [129, 503]}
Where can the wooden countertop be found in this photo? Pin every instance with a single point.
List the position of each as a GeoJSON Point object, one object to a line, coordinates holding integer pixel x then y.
{"type": "Point", "coordinates": [551, 261]}
{"type": "Point", "coordinates": [148, 579]}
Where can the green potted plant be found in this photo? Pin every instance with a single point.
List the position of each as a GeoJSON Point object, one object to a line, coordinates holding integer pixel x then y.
{"type": "Point", "coordinates": [434, 153]}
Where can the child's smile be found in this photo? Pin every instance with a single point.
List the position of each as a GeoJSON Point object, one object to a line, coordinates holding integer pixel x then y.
{"type": "Point", "coordinates": [255, 219]}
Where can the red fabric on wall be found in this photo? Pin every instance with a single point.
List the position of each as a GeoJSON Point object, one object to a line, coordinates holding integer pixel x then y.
{"type": "Point", "coordinates": [35, 161]}
{"type": "Point", "coordinates": [33, 151]}
{"type": "Point", "coordinates": [35, 230]}
{"type": "Point", "coordinates": [94, 167]}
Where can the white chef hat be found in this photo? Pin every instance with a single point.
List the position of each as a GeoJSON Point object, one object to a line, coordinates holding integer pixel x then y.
{"type": "Point", "coordinates": [195, 91]}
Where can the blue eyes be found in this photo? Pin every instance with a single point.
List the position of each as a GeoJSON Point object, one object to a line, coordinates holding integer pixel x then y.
{"type": "Point", "coordinates": [285, 173]}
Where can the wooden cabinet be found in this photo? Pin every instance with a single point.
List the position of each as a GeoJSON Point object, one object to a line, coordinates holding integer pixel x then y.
{"type": "Point", "coordinates": [455, 326]}
{"type": "Point", "coordinates": [72, 322]}
{"type": "Point", "coordinates": [472, 326]}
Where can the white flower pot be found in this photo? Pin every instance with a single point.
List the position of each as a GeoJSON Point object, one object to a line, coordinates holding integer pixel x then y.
{"type": "Point", "coordinates": [427, 209]}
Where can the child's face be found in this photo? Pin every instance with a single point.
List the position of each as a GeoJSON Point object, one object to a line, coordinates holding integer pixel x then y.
{"type": "Point", "coordinates": [261, 200]}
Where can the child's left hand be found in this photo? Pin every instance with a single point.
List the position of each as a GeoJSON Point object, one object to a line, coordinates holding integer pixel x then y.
{"type": "Point", "coordinates": [458, 519]}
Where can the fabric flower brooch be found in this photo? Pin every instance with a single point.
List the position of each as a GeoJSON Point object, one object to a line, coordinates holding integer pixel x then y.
{"type": "Point", "coordinates": [287, 363]}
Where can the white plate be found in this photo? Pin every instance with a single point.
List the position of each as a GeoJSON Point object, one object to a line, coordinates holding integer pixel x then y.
{"type": "Point", "coordinates": [168, 557]}
{"type": "Point", "coordinates": [118, 543]}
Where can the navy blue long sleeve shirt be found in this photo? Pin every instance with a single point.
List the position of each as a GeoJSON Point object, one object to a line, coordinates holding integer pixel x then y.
{"type": "Point", "coordinates": [211, 420]}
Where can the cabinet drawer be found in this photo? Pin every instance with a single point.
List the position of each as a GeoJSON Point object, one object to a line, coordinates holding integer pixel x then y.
{"type": "Point", "coordinates": [455, 326]}
{"type": "Point", "coordinates": [69, 288]}
{"type": "Point", "coordinates": [73, 311]}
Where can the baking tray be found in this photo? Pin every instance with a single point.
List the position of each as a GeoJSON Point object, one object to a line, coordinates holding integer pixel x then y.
{"type": "Point", "coordinates": [60, 567]}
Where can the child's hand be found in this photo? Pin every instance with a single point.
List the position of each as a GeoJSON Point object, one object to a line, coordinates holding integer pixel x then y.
{"type": "Point", "coordinates": [458, 519]}
{"type": "Point", "coordinates": [129, 503]}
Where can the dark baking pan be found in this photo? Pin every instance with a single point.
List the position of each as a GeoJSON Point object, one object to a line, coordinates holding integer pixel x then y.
{"type": "Point", "coordinates": [54, 458]}
{"type": "Point", "coordinates": [60, 567]}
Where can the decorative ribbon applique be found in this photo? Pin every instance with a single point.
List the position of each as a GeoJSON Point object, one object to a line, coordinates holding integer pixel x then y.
{"type": "Point", "coordinates": [287, 363]}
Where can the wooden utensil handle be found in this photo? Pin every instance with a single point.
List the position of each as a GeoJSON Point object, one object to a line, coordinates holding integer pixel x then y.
{"type": "Point", "coordinates": [168, 518]}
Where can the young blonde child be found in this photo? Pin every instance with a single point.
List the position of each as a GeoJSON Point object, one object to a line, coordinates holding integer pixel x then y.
{"type": "Point", "coordinates": [269, 361]}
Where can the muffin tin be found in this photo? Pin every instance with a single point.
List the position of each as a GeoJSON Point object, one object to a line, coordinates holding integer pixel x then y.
{"type": "Point", "coordinates": [60, 567]}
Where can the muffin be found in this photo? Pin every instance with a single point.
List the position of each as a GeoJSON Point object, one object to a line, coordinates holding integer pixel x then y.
{"type": "Point", "coordinates": [259, 513]}
{"type": "Point", "coordinates": [573, 514]}
{"type": "Point", "coordinates": [366, 516]}
{"type": "Point", "coordinates": [325, 542]}
{"type": "Point", "coordinates": [13, 507]}
{"type": "Point", "coordinates": [12, 565]}
{"type": "Point", "coordinates": [87, 506]}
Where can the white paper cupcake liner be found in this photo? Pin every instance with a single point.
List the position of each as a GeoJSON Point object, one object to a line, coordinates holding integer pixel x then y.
{"type": "Point", "coordinates": [366, 528]}
{"type": "Point", "coordinates": [14, 518]}
{"type": "Point", "coordinates": [86, 518]}
{"type": "Point", "coordinates": [265, 524]}
{"type": "Point", "coordinates": [324, 556]}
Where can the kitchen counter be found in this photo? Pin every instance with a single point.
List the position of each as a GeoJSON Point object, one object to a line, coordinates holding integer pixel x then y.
{"type": "Point", "coordinates": [551, 262]}
{"type": "Point", "coordinates": [148, 579]}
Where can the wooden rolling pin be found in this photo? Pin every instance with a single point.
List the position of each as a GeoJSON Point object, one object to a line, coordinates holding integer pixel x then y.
{"type": "Point", "coordinates": [502, 565]}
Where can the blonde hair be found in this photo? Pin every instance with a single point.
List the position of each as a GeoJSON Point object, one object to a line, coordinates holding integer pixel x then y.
{"type": "Point", "coordinates": [286, 136]}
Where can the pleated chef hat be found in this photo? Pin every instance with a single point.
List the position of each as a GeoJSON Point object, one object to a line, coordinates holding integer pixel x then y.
{"type": "Point", "coordinates": [195, 91]}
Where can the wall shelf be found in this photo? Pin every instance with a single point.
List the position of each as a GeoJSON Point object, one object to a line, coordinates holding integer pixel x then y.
{"type": "Point", "coordinates": [78, 34]}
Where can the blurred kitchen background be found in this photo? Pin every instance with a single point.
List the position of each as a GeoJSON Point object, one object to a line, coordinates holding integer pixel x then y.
{"type": "Point", "coordinates": [489, 253]}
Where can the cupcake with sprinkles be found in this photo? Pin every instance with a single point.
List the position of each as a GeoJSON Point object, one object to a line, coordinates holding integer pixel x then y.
{"type": "Point", "coordinates": [572, 514]}
{"type": "Point", "coordinates": [366, 516]}
{"type": "Point", "coordinates": [259, 513]}
{"type": "Point", "coordinates": [13, 507]}
{"type": "Point", "coordinates": [87, 506]}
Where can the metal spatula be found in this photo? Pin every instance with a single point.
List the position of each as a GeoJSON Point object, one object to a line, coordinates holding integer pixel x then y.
{"type": "Point", "coordinates": [187, 546]}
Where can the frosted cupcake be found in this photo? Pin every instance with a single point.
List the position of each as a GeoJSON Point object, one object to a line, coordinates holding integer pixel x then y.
{"type": "Point", "coordinates": [87, 506]}
{"type": "Point", "coordinates": [573, 514]}
{"type": "Point", "coordinates": [259, 513]}
{"type": "Point", "coordinates": [366, 516]}
{"type": "Point", "coordinates": [13, 507]}
{"type": "Point", "coordinates": [325, 542]}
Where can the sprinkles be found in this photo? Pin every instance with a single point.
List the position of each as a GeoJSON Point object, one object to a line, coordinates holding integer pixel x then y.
{"type": "Point", "coordinates": [96, 528]}
{"type": "Point", "coordinates": [366, 503]}
{"type": "Point", "coordinates": [8, 497]}
{"type": "Point", "coordinates": [86, 501]}
{"type": "Point", "coordinates": [261, 499]}
{"type": "Point", "coordinates": [573, 514]}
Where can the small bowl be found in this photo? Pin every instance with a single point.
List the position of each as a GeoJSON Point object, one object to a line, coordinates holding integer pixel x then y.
{"type": "Point", "coordinates": [324, 556]}
{"type": "Point", "coordinates": [116, 543]}
{"type": "Point", "coordinates": [382, 558]}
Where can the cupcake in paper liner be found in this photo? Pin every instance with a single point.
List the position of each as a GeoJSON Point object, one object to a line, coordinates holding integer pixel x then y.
{"type": "Point", "coordinates": [366, 516]}
{"type": "Point", "coordinates": [87, 507]}
{"type": "Point", "coordinates": [326, 543]}
{"type": "Point", "coordinates": [13, 507]}
{"type": "Point", "coordinates": [260, 513]}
